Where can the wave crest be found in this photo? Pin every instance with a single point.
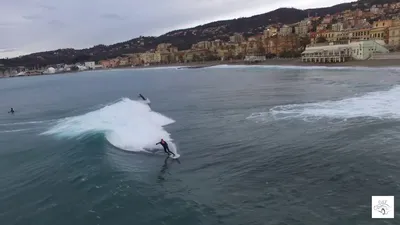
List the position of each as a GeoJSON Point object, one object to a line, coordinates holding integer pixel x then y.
{"type": "Point", "coordinates": [127, 124]}
{"type": "Point", "coordinates": [381, 105]}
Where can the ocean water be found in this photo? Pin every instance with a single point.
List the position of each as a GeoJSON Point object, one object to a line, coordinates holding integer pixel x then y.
{"type": "Point", "coordinates": [258, 145]}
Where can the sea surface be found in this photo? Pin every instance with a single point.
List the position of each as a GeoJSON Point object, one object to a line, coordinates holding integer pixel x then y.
{"type": "Point", "coordinates": [258, 145]}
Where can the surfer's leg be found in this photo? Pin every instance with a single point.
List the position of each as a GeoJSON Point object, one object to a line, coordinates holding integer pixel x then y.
{"type": "Point", "coordinates": [170, 151]}
{"type": "Point", "coordinates": [165, 150]}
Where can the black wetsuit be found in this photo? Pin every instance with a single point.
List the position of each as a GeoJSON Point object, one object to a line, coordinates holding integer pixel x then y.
{"type": "Point", "coordinates": [166, 148]}
{"type": "Point", "coordinates": [144, 99]}
{"type": "Point", "coordinates": [11, 111]}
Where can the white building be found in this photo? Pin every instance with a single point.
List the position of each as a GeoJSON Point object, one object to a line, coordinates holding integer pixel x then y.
{"type": "Point", "coordinates": [303, 27]}
{"type": "Point", "coordinates": [327, 54]}
{"type": "Point", "coordinates": [338, 27]}
{"type": "Point", "coordinates": [254, 58]}
{"type": "Point", "coordinates": [98, 67]}
{"type": "Point", "coordinates": [49, 70]}
{"type": "Point", "coordinates": [361, 50]}
{"type": "Point", "coordinates": [90, 65]}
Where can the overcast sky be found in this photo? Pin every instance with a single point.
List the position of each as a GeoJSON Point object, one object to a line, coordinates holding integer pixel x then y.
{"type": "Point", "coordinates": [28, 26]}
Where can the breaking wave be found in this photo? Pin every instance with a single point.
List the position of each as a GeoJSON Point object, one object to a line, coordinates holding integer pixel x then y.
{"type": "Point", "coordinates": [127, 124]}
{"type": "Point", "coordinates": [381, 105]}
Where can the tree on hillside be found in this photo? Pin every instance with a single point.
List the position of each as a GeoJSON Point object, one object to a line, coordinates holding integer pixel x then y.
{"type": "Point", "coordinates": [304, 41]}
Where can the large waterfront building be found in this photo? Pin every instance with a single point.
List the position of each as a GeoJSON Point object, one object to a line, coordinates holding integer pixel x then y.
{"type": "Point", "coordinates": [361, 50]}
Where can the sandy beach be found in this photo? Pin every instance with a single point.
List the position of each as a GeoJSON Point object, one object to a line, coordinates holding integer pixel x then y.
{"type": "Point", "coordinates": [298, 62]}
{"type": "Point", "coordinates": [287, 62]}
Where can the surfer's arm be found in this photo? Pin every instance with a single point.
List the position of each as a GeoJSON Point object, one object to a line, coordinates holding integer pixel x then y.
{"type": "Point", "coordinates": [158, 143]}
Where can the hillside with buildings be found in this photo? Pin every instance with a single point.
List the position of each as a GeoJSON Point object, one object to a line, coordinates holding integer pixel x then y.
{"type": "Point", "coordinates": [183, 39]}
{"type": "Point", "coordinates": [285, 32]}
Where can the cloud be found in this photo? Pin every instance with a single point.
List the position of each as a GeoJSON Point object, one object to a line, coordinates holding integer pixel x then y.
{"type": "Point", "coordinates": [31, 17]}
{"type": "Point", "coordinates": [56, 23]}
{"type": "Point", "coordinates": [47, 7]}
{"type": "Point", "coordinates": [8, 50]}
{"type": "Point", "coordinates": [34, 25]}
{"type": "Point", "coordinates": [112, 16]}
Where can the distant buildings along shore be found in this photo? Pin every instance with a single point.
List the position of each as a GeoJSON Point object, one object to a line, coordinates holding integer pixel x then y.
{"type": "Point", "coordinates": [349, 35]}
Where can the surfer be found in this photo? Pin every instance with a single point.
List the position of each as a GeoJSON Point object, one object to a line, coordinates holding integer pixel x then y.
{"type": "Point", "coordinates": [11, 111]}
{"type": "Point", "coordinates": [165, 146]}
{"type": "Point", "coordinates": [141, 96]}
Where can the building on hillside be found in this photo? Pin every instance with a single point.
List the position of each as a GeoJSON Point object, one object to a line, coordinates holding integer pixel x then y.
{"type": "Point", "coordinates": [253, 46]}
{"type": "Point", "coordinates": [394, 36]}
{"type": "Point", "coordinates": [322, 26]}
{"type": "Point", "coordinates": [109, 63]}
{"type": "Point", "coordinates": [360, 34]}
{"type": "Point", "coordinates": [344, 36]}
{"type": "Point", "coordinates": [163, 46]}
{"type": "Point", "coordinates": [338, 26]}
{"type": "Point", "coordinates": [255, 38]}
{"type": "Point", "coordinates": [202, 45]}
{"type": "Point", "coordinates": [358, 13]}
{"type": "Point", "coordinates": [239, 50]}
{"type": "Point", "coordinates": [195, 55]}
{"type": "Point", "coordinates": [237, 38]}
{"type": "Point", "coordinates": [216, 44]}
{"type": "Point", "coordinates": [124, 61]}
{"type": "Point", "coordinates": [380, 30]}
{"type": "Point", "coordinates": [327, 19]}
{"type": "Point", "coordinates": [148, 58]}
{"type": "Point", "coordinates": [361, 50]}
{"type": "Point", "coordinates": [134, 59]}
{"type": "Point", "coordinates": [90, 65]}
{"type": "Point", "coordinates": [286, 30]}
{"type": "Point", "coordinates": [280, 44]}
{"type": "Point", "coordinates": [166, 48]}
{"type": "Point", "coordinates": [380, 33]}
{"type": "Point", "coordinates": [270, 31]}
{"type": "Point", "coordinates": [303, 27]}
{"type": "Point", "coordinates": [224, 54]}
{"type": "Point", "coordinates": [333, 36]}
{"type": "Point", "coordinates": [375, 10]}
{"type": "Point", "coordinates": [382, 23]}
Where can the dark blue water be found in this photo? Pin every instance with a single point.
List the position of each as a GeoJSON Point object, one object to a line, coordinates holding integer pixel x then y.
{"type": "Point", "coordinates": [257, 145]}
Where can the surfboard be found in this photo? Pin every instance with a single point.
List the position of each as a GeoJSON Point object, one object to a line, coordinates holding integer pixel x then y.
{"type": "Point", "coordinates": [176, 156]}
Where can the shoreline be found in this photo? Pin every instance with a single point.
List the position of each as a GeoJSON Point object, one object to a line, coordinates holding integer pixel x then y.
{"type": "Point", "coordinates": [372, 63]}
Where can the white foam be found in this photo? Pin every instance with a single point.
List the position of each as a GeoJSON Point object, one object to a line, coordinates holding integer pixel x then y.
{"type": "Point", "coordinates": [287, 67]}
{"type": "Point", "coordinates": [147, 101]}
{"type": "Point", "coordinates": [382, 105]}
{"type": "Point", "coordinates": [127, 124]}
{"type": "Point", "coordinates": [13, 131]}
{"type": "Point", "coordinates": [25, 123]}
{"type": "Point", "coordinates": [157, 68]}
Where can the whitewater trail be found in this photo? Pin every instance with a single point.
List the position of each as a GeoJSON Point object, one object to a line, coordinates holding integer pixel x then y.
{"type": "Point", "coordinates": [381, 105]}
{"type": "Point", "coordinates": [127, 124]}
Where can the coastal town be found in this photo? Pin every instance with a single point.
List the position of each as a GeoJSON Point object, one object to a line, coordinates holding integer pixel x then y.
{"type": "Point", "coordinates": [372, 32]}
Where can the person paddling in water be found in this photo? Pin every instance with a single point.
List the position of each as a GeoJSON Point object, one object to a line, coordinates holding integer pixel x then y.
{"type": "Point", "coordinates": [11, 111]}
{"type": "Point", "coordinates": [165, 146]}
